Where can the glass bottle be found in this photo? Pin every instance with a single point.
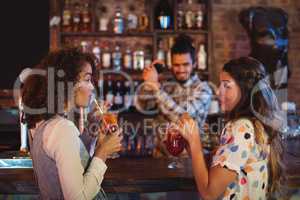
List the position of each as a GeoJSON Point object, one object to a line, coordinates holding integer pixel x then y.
{"type": "Point", "coordinates": [189, 15]}
{"type": "Point", "coordinates": [149, 144]}
{"type": "Point", "coordinates": [118, 100]}
{"type": "Point", "coordinates": [103, 20]}
{"type": "Point", "coordinates": [127, 96]}
{"type": "Point", "coordinates": [84, 46]}
{"type": "Point", "coordinates": [86, 18]}
{"type": "Point", "coordinates": [148, 55]}
{"type": "Point", "coordinates": [138, 60]}
{"type": "Point", "coordinates": [143, 22]}
{"type": "Point", "coordinates": [117, 58]}
{"type": "Point", "coordinates": [109, 97]}
{"type": "Point", "coordinates": [106, 56]}
{"type": "Point", "coordinates": [199, 19]}
{"type": "Point", "coordinates": [163, 15]}
{"type": "Point", "coordinates": [97, 52]}
{"type": "Point", "coordinates": [140, 144]}
{"type": "Point", "coordinates": [128, 59]}
{"type": "Point", "coordinates": [201, 57]}
{"type": "Point", "coordinates": [180, 17]}
{"type": "Point", "coordinates": [67, 17]}
{"type": "Point", "coordinates": [76, 18]}
{"type": "Point", "coordinates": [169, 55]}
{"type": "Point", "coordinates": [132, 19]}
{"type": "Point", "coordinates": [118, 21]}
{"type": "Point", "coordinates": [161, 53]}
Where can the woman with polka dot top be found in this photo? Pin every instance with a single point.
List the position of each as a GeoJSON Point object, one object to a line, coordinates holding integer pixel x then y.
{"type": "Point", "coordinates": [245, 164]}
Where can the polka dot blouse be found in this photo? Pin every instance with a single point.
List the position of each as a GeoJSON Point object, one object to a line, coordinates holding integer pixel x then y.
{"type": "Point", "coordinates": [238, 151]}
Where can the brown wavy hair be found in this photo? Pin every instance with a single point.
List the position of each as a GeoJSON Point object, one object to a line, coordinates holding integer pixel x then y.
{"type": "Point", "coordinates": [259, 104]}
{"type": "Point", "coordinates": [65, 66]}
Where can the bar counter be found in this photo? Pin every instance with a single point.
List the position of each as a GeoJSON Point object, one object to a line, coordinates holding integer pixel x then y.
{"type": "Point", "coordinates": [140, 175]}
{"type": "Point", "coordinates": [143, 175]}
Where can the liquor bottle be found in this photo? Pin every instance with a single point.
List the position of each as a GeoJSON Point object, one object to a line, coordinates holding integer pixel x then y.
{"type": "Point", "coordinates": [163, 15]}
{"type": "Point", "coordinates": [76, 18]}
{"type": "Point", "coordinates": [131, 144]}
{"type": "Point", "coordinates": [75, 43]}
{"type": "Point", "coordinates": [118, 21]}
{"type": "Point", "coordinates": [169, 55]}
{"type": "Point", "coordinates": [86, 18]}
{"type": "Point", "coordinates": [97, 52]}
{"type": "Point", "coordinates": [143, 22]}
{"type": "Point", "coordinates": [132, 19]}
{"type": "Point", "coordinates": [161, 53]}
{"type": "Point", "coordinates": [148, 55]}
{"type": "Point", "coordinates": [103, 20]}
{"type": "Point", "coordinates": [124, 144]}
{"type": "Point", "coordinates": [140, 145]}
{"type": "Point", "coordinates": [128, 59]}
{"type": "Point", "coordinates": [189, 16]}
{"type": "Point", "coordinates": [201, 57]}
{"type": "Point", "coordinates": [106, 56]}
{"type": "Point", "coordinates": [101, 88]}
{"type": "Point", "coordinates": [84, 46]}
{"type": "Point", "coordinates": [118, 100]}
{"type": "Point", "coordinates": [127, 96]}
{"type": "Point", "coordinates": [138, 60]}
{"type": "Point", "coordinates": [109, 97]}
{"type": "Point", "coordinates": [117, 58]}
{"type": "Point", "coordinates": [199, 19]}
{"type": "Point", "coordinates": [149, 144]}
{"type": "Point", "coordinates": [180, 17]}
{"type": "Point", "coordinates": [67, 17]}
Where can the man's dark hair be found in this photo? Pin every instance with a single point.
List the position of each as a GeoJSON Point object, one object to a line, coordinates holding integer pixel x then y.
{"type": "Point", "coordinates": [182, 45]}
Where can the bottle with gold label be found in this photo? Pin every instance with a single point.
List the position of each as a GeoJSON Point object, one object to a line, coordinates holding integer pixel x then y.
{"type": "Point", "coordinates": [189, 15]}
{"type": "Point", "coordinates": [143, 22]}
{"type": "Point", "coordinates": [67, 17]}
{"type": "Point", "coordinates": [127, 59]}
{"type": "Point", "coordinates": [106, 56]}
{"type": "Point", "coordinates": [76, 18]}
{"type": "Point", "coordinates": [86, 18]}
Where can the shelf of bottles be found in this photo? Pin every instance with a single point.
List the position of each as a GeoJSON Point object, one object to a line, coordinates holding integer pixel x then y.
{"type": "Point", "coordinates": [125, 36]}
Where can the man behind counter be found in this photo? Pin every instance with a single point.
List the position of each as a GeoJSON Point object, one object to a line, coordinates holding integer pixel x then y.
{"type": "Point", "coordinates": [184, 92]}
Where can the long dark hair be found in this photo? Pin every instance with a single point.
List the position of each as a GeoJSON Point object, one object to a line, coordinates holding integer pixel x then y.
{"type": "Point", "coordinates": [65, 66]}
{"type": "Point", "coordinates": [259, 104]}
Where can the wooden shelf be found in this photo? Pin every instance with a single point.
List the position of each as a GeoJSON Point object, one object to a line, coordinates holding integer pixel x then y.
{"type": "Point", "coordinates": [175, 32]}
{"type": "Point", "coordinates": [148, 39]}
{"type": "Point", "coordinates": [107, 34]}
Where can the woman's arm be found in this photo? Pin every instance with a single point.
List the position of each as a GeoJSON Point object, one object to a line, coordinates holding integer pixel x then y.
{"type": "Point", "coordinates": [63, 145]}
{"type": "Point", "coordinates": [211, 183]}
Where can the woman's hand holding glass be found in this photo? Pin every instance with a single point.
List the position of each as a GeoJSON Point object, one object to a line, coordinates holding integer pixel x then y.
{"type": "Point", "coordinates": [189, 130]}
{"type": "Point", "coordinates": [108, 144]}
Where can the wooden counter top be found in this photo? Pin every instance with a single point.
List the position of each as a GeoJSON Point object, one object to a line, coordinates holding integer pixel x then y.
{"type": "Point", "coordinates": [147, 175]}
{"type": "Point", "coordinates": [123, 175]}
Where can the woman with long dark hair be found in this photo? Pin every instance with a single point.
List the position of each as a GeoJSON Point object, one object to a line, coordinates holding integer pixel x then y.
{"type": "Point", "coordinates": [246, 163]}
{"type": "Point", "coordinates": [55, 89]}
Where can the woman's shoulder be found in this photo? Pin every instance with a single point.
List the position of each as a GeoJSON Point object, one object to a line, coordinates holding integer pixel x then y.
{"type": "Point", "coordinates": [59, 132]}
{"type": "Point", "coordinates": [64, 123]}
{"type": "Point", "coordinates": [60, 124]}
{"type": "Point", "coordinates": [242, 123]}
{"type": "Point", "coordinates": [240, 126]}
